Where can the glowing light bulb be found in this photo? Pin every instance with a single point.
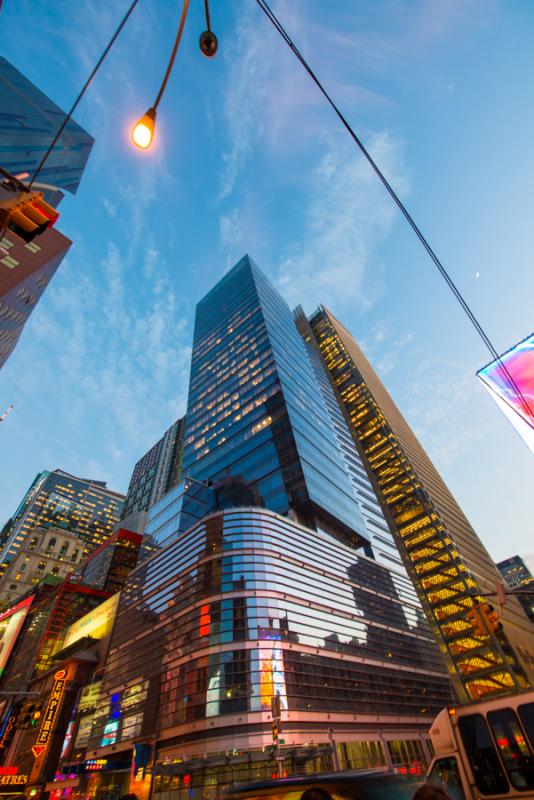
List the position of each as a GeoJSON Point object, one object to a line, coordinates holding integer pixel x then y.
{"type": "Point", "coordinates": [143, 132]}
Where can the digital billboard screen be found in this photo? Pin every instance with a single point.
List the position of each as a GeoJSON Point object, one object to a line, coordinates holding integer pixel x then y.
{"type": "Point", "coordinates": [11, 622]}
{"type": "Point", "coordinates": [516, 403]}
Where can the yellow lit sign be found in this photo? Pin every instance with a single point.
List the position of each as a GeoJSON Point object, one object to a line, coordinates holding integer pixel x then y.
{"type": "Point", "coordinates": [51, 712]}
{"type": "Point", "coordinates": [97, 623]}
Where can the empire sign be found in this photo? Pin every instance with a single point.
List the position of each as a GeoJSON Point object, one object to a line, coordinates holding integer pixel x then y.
{"type": "Point", "coordinates": [50, 714]}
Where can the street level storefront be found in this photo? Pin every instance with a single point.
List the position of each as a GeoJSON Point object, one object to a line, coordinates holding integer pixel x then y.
{"type": "Point", "coordinates": [94, 779]}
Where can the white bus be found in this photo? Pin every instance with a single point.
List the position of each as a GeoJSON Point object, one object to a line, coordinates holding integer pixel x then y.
{"type": "Point", "coordinates": [485, 750]}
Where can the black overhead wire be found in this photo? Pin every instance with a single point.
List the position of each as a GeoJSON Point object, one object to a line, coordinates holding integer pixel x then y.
{"type": "Point", "coordinates": [445, 275]}
{"type": "Point", "coordinates": [207, 10]}
{"type": "Point", "coordinates": [83, 90]}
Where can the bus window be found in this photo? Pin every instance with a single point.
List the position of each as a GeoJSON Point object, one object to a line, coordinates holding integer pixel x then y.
{"type": "Point", "coordinates": [445, 773]}
{"type": "Point", "coordinates": [526, 715]}
{"type": "Point", "coordinates": [483, 759]}
{"type": "Point", "coordinates": [513, 748]}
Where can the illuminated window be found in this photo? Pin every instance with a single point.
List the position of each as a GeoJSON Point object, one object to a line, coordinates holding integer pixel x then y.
{"type": "Point", "coordinates": [9, 262]}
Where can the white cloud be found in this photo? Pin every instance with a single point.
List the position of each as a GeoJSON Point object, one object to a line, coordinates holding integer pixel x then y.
{"type": "Point", "coordinates": [347, 216]}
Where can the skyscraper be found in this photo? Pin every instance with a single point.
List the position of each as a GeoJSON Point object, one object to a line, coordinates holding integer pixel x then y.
{"type": "Point", "coordinates": [29, 120]}
{"type": "Point", "coordinates": [256, 425]}
{"type": "Point", "coordinates": [25, 272]}
{"type": "Point", "coordinates": [518, 576]}
{"type": "Point", "coordinates": [278, 585]}
{"type": "Point", "coordinates": [58, 499]}
{"type": "Point", "coordinates": [156, 472]}
{"type": "Point", "coordinates": [448, 563]}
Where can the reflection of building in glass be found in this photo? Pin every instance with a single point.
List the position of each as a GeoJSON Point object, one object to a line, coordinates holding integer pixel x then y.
{"type": "Point", "coordinates": [235, 603]}
{"type": "Point", "coordinates": [56, 499]}
{"type": "Point", "coordinates": [156, 472]}
{"type": "Point", "coordinates": [446, 560]}
{"type": "Point", "coordinates": [518, 576]}
{"type": "Point", "coordinates": [110, 564]}
{"type": "Point", "coordinates": [28, 123]}
{"type": "Point", "coordinates": [246, 604]}
{"type": "Point", "coordinates": [48, 551]}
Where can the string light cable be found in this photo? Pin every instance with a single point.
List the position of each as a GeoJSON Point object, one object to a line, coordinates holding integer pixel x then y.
{"type": "Point", "coordinates": [269, 13]}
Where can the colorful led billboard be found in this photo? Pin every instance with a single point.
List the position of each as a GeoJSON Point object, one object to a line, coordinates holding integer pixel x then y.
{"type": "Point", "coordinates": [11, 622]}
{"type": "Point", "coordinates": [517, 404]}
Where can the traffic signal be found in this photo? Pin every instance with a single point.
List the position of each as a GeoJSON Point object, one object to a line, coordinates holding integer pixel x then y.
{"type": "Point", "coordinates": [27, 214]}
{"type": "Point", "coordinates": [491, 618]}
{"type": "Point", "coordinates": [475, 618]}
{"type": "Point", "coordinates": [275, 730]}
{"type": "Point", "coordinates": [30, 713]}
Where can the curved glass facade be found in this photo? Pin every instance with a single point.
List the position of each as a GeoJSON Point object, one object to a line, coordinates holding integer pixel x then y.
{"type": "Point", "coordinates": [248, 604]}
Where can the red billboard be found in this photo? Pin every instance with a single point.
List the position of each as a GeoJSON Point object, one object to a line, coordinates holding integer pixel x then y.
{"type": "Point", "coordinates": [11, 622]}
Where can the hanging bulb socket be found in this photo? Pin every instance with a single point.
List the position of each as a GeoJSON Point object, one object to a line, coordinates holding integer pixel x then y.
{"type": "Point", "coordinates": [208, 44]}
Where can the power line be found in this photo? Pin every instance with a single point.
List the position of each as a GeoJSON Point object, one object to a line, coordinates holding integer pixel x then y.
{"type": "Point", "coordinates": [445, 275]}
{"type": "Point", "coordinates": [83, 90]}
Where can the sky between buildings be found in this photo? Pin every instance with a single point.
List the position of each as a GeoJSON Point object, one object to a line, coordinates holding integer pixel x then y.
{"type": "Point", "coordinates": [248, 158]}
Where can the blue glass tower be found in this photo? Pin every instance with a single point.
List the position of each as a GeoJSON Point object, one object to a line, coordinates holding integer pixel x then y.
{"type": "Point", "coordinates": [29, 121]}
{"type": "Point", "coordinates": [257, 427]}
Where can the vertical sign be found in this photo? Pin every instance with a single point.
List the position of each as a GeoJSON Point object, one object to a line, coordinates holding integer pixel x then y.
{"type": "Point", "coordinates": [50, 715]}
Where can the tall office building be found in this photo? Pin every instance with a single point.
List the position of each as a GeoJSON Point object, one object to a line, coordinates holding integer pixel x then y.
{"type": "Point", "coordinates": [446, 560]}
{"type": "Point", "coordinates": [25, 272]}
{"type": "Point", "coordinates": [277, 584]}
{"type": "Point", "coordinates": [518, 576]}
{"type": "Point", "coordinates": [58, 499]}
{"type": "Point", "coordinates": [156, 472]}
{"type": "Point", "coordinates": [29, 121]}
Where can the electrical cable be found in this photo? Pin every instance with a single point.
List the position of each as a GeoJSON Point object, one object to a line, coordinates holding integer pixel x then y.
{"type": "Point", "coordinates": [207, 10]}
{"type": "Point", "coordinates": [185, 8]}
{"type": "Point", "coordinates": [447, 278]}
{"type": "Point", "coordinates": [84, 89]}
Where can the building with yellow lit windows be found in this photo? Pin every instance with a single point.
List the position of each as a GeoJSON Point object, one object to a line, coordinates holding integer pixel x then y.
{"type": "Point", "coordinates": [48, 551]}
{"type": "Point", "coordinates": [56, 499]}
{"type": "Point", "coordinates": [449, 565]}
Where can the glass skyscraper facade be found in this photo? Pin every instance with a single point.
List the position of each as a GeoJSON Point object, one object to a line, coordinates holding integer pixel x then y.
{"type": "Point", "coordinates": [29, 120]}
{"type": "Point", "coordinates": [446, 560]}
{"type": "Point", "coordinates": [257, 427]}
{"type": "Point", "coordinates": [518, 576]}
{"type": "Point", "coordinates": [271, 571]}
{"type": "Point", "coordinates": [58, 499]}
{"type": "Point", "coordinates": [248, 604]}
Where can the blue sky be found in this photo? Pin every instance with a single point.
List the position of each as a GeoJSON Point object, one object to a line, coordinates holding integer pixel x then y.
{"type": "Point", "coordinates": [248, 158]}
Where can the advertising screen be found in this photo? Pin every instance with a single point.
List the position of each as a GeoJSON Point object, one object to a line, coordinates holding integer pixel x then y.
{"type": "Point", "coordinates": [97, 623]}
{"type": "Point", "coordinates": [516, 404]}
{"type": "Point", "coordinates": [11, 622]}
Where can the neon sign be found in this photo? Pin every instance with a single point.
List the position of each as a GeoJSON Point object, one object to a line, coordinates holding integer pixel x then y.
{"type": "Point", "coordinates": [9, 776]}
{"type": "Point", "coordinates": [50, 715]}
{"type": "Point", "coordinates": [95, 764]}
